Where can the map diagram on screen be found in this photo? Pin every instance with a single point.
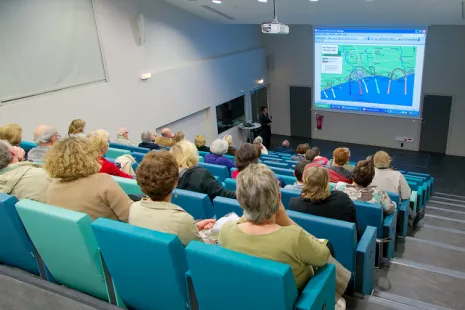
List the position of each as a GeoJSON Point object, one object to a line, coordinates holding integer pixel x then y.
{"type": "Point", "coordinates": [368, 73]}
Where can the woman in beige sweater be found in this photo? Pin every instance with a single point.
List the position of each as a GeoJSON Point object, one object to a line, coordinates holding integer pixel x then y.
{"type": "Point", "coordinates": [77, 185]}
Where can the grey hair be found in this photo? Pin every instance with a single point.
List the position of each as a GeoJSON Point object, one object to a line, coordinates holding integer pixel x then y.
{"type": "Point", "coordinates": [258, 193]}
{"type": "Point", "coordinates": [5, 155]}
{"type": "Point", "coordinates": [258, 140]}
{"type": "Point", "coordinates": [146, 136]}
{"type": "Point", "coordinates": [219, 147]}
{"type": "Point", "coordinates": [285, 143]}
{"type": "Point", "coordinates": [46, 136]}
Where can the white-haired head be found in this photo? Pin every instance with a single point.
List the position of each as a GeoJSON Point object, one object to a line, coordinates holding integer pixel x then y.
{"type": "Point", "coordinates": [258, 140]}
{"type": "Point", "coordinates": [6, 156]}
{"type": "Point", "coordinates": [219, 147]}
{"type": "Point", "coordinates": [45, 135]}
{"type": "Point", "coordinates": [122, 132]}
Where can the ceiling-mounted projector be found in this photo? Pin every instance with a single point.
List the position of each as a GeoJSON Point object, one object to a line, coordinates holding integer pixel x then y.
{"type": "Point", "coordinates": [275, 27]}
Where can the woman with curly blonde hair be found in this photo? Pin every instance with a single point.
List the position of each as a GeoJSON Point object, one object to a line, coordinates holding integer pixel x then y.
{"type": "Point", "coordinates": [77, 185]}
{"type": "Point", "coordinates": [76, 128]}
{"type": "Point", "coordinates": [13, 133]}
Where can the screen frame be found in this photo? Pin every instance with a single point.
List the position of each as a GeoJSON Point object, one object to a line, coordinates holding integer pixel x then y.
{"type": "Point", "coordinates": [422, 93]}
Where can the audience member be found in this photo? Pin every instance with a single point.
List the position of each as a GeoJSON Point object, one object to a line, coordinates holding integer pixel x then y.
{"type": "Point", "coordinates": [361, 190]}
{"type": "Point", "coordinates": [347, 166]}
{"type": "Point", "coordinates": [157, 177]}
{"type": "Point", "coordinates": [195, 178]}
{"type": "Point", "coordinates": [337, 173]}
{"type": "Point", "coordinates": [259, 141]}
{"type": "Point", "coordinates": [179, 136]}
{"type": "Point", "coordinates": [317, 199]}
{"type": "Point", "coordinates": [231, 150]}
{"type": "Point", "coordinates": [247, 154]}
{"type": "Point", "coordinates": [166, 138]}
{"type": "Point", "coordinates": [200, 143]}
{"type": "Point", "coordinates": [298, 172]}
{"type": "Point", "coordinates": [284, 148]}
{"type": "Point", "coordinates": [44, 136]}
{"type": "Point", "coordinates": [310, 155]}
{"type": "Point", "coordinates": [218, 149]}
{"type": "Point", "coordinates": [99, 139]}
{"type": "Point", "coordinates": [301, 150]}
{"type": "Point", "coordinates": [25, 180]}
{"type": "Point", "coordinates": [147, 138]}
{"type": "Point", "coordinates": [122, 137]}
{"type": "Point", "coordinates": [389, 180]}
{"type": "Point", "coordinates": [267, 231]}
{"type": "Point", "coordinates": [77, 185]}
{"type": "Point", "coordinates": [320, 159]}
{"type": "Point", "coordinates": [13, 133]}
{"type": "Point", "coordinates": [76, 128]}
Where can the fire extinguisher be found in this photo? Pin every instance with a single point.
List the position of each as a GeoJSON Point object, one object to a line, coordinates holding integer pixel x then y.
{"type": "Point", "coordinates": [319, 121]}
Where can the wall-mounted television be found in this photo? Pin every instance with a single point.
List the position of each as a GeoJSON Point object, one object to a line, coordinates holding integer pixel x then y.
{"type": "Point", "coordinates": [230, 114]}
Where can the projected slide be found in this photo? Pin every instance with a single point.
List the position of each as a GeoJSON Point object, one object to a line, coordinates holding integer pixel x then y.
{"type": "Point", "coordinates": [369, 71]}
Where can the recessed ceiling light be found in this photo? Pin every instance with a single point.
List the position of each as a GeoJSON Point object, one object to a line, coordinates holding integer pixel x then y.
{"type": "Point", "coordinates": [216, 1]}
{"type": "Point", "coordinates": [262, 0]}
{"type": "Point", "coordinates": [313, 0]}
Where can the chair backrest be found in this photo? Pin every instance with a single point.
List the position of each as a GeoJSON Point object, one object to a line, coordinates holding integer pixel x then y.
{"type": "Point", "coordinates": [265, 157]}
{"type": "Point", "coordinates": [220, 171]}
{"type": "Point", "coordinates": [287, 195]}
{"type": "Point", "coordinates": [370, 214]}
{"type": "Point", "coordinates": [129, 186]}
{"type": "Point", "coordinates": [138, 156]}
{"type": "Point", "coordinates": [16, 248]}
{"type": "Point", "coordinates": [225, 206]}
{"type": "Point", "coordinates": [148, 267]}
{"type": "Point", "coordinates": [244, 282]}
{"type": "Point", "coordinates": [394, 197]}
{"type": "Point", "coordinates": [27, 146]}
{"type": "Point", "coordinates": [115, 153]}
{"type": "Point", "coordinates": [202, 153]}
{"type": "Point", "coordinates": [288, 180]}
{"type": "Point", "coordinates": [230, 157]}
{"type": "Point", "coordinates": [342, 235]}
{"type": "Point", "coordinates": [201, 159]}
{"type": "Point", "coordinates": [67, 245]}
{"type": "Point", "coordinates": [276, 164]}
{"type": "Point", "coordinates": [196, 204]}
{"type": "Point", "coordinates": [137, 149]}
{"type": "Point", "coordinates": [112, 160]}
{"type": "Point", "coordinates": [282, 171]}
{"type": "Point", "coordinates": [118, 146]}
{"type": "Point", "coordinates": [230, 184]}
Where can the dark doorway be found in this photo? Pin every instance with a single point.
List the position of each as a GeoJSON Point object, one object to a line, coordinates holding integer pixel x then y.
{"type": "Point", "coordinates": [435, 124]}
{"type": "Point", "coordinates": [259, 99]}
{"type": "Point", "coordinates": [301, 114]}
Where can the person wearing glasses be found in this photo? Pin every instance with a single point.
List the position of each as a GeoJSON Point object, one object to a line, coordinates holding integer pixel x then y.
{"type": "Point", "coordinates": [45, 137]}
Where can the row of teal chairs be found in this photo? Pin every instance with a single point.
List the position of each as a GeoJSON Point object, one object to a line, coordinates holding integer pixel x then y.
{"type": "Point", "coordinates": [137, 268]}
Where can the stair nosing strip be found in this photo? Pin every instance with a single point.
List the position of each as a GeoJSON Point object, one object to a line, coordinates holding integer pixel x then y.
{"type": "Point", "coordinates": [388, 303]}
{"type": "Point", "coordinates": [451, 230]}
{"type": "Point", "coordinates": [408, 301]}
{"type": "Point", "coordinates": [427, 267]}
{"type": "Point", "coordinates": [438, 244]}
{"type": "Point", "coordinates": [447, 210]}
{"type": "Point", "coordinates": [445, 203]}
{"type": "Point", "coordinates": [446, 194]}
{"type": "Point", "coordinates": [445, 218]}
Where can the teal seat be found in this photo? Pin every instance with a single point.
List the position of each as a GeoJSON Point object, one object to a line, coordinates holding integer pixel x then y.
{"type": "Point", "coordinates": [138, 156]}
{"type": "Point", "coordinates": [224, 206]}
{"type": "Point", "coordinates": [283, 165]}
{"type": "Point", "coordinates": [115, 153]}
{"type": "Point", "coordinates": [202, 153]}
{"type": "Point", "coordinates": [358, 258]}
{"type": "Point", "coordinates": [230, 157]}
{"type": "Point", "coordinates": [27, 146]}
{"type": "Point", "coordinates": [221, 172]}
{"type": "Point", "coordinates": [129, 186]}
{"type": "Point", "coordinates": [196, 204]}
{"type": "Point", "coordinates": [16, 248]}
{"type": "Point", "coordinates": [250, 283]}
{"type": "Point", "coordinates": [137, 149]}
{"type": "Point", "coordinates": [148, 267]}
{"type": "Point", "coordinates": [201, 160]}
{"type": "Point", "coordinates": [402, 213]}
{"type": "Point", "coordinates": [272, 158]}
{"type": "Point", "coordinates": [282, 171]}
{"type": "Point", "coordinates": [288, 180]}
{"type": "Point", "coordinates": [230, 184]}
{"type": "Point", "coordinates": [120, 146]}
{"type": "Point", "coordinates": [287, 195]}
{"type": "Point", "coordinates": [67, 245]}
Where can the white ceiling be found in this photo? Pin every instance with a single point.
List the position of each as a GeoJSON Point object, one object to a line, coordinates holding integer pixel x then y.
{"type": "Point", "coordinates": [332, 12]}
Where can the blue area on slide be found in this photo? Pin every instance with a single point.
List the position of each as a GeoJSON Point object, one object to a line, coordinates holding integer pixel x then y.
{"type": "Point", "coordinates": [350, 91]}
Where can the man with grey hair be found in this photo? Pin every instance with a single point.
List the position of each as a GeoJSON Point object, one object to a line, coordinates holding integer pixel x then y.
{"type": "Point", "coordinates": [122, 137]}
{"type": "Point", "coordinates": [44, 136]}
{"type": "Point", "coordinates": [22, 179]}
{"type": "Point", "coordinates": [259, 141]}
{"type": "Point", "coordinates": [147, 138]}
{"type": "Point", "coordinates": [284, 148]}
{"type": "Point", "coordinates": [166, 138]}
{"type": "Point", "coordinates": [218, 148]}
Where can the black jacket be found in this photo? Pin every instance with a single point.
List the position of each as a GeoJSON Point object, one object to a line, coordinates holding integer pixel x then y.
{"type": "Point", "coordinates": [265, 121]}
{"type": "Point", "coordinates": [149, 145]}
{"type": "Point", "coordinates": [200, 180]}
{"type": "Point", "coordinates": [337, 206]}
{"type": "Point", "coordinates": [204, 149]}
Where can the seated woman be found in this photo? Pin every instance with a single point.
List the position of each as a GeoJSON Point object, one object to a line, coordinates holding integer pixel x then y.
{"type": "Point", "coordinates": [361, 189]}
{"type": "Point", "coordinates": [259, 141]}
{"type": "Point", "coordinates": [157, 177]}
{"type": "Point", "coordinates": [231, 150]}
{"type": "Point", "coordinates": [77, 185]}
{"type": "Point", "coordinates": [218, 149]}
{"type": "Point", "coordinates": [301, 150]}
{"type": "Point", "coordinates": [76, 128]}
{"type": "Point", "coordinates": [200, 143]}
{"type": "Point", "coordinates": [195, 178]}
{"type": "Point", "coordinates": [245, 155]}
{"type": "Point", "coordinates": [147, 138]}
{"type": "Point", "coordinates": [337, 172]}
{"type": "Point", "coordinates": [13, 133]}
{"type": "Point", "coordinates": [99, 138]}
{"type": "Point", "coordinates": [316, 198]}
{"type": "Point", "coordinates": [179, 136]}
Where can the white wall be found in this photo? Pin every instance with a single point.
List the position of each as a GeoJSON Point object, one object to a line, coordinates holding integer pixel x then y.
{"type": "Point", "coordinates": [195, 65]}
{"type": "Point", "coordinates": [444, 74]}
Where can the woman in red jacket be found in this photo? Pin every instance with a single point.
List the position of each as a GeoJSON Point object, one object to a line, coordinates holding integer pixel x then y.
{"type": "Point", "coordinates": [99, 139]}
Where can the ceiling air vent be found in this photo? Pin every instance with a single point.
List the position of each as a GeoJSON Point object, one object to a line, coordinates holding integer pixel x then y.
{"type": "Point", "coordinates": [207, 7]}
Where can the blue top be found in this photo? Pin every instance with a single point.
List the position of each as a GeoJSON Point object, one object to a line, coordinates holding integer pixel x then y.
{"type": "Point", "coordinates": [219, 160]}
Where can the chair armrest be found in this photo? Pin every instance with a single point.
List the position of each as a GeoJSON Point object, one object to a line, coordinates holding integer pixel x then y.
{"type": "Point", "coordinates": [402, 218]}
{"type": "Point", "coordinates": [320, 290]}
{"type": "Point", "coordinates": [365, 262]}
{"type": "Point", "coordinates": [389, 231]}
{"type": "Point", "coordinates": [414, 201]}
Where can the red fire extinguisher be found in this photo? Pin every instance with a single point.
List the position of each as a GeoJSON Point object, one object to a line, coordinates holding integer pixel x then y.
{"type": "Point", "coordinates": [319, 121]}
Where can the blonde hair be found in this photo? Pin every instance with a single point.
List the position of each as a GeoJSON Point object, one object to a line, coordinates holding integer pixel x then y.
{"type": "Point", "coordinates": [13, 133]}
{"type": "Point", "coordinates": [76, 126]}
{"type": "Point", "coordinates": [316, 183]}
{"type": "Point", "coordinates": [228, 138]}
{"type": "Point", "coordinates": [99, 139]}
{"type": "Point", "coordinates": [179, 136]}
{"type": "Point", "coordinates": [381, 160]}
{"type": "Point", "coordinates": [200, 141]}
{"type": "Point", "coordinates": [71, 159]}
{"type": "Point", "coordinates": [186, 154]}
